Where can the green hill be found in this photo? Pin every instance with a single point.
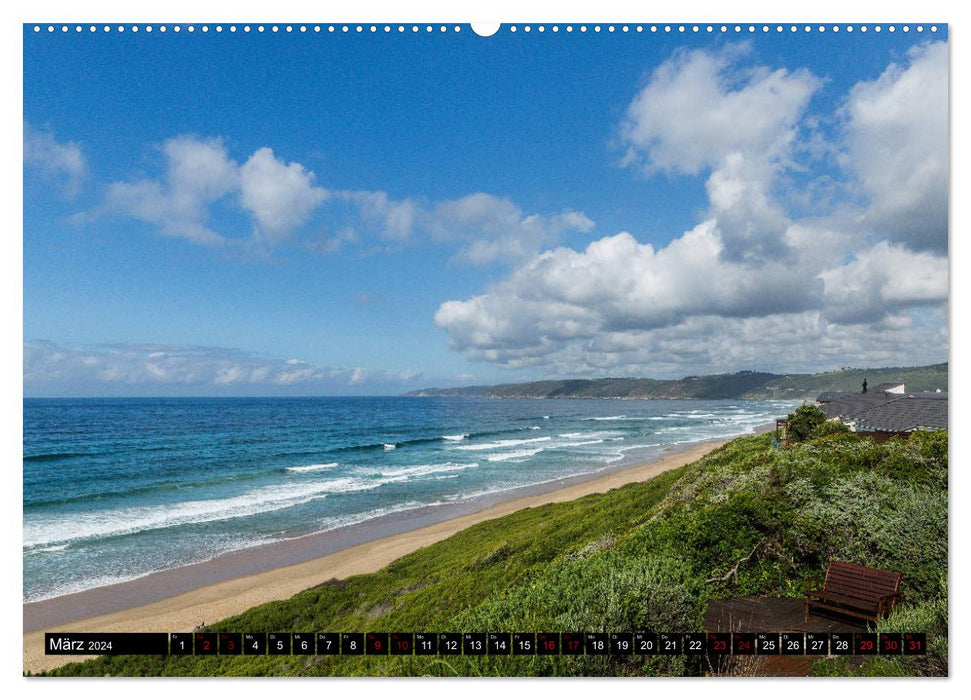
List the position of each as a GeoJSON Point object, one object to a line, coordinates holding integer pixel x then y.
{"type": "Point", "coordinates": [646, 556]}
{"type": "Point", "coordinates": [737, 385]}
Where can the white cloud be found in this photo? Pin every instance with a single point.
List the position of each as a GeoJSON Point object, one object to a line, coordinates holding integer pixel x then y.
{"type": "Point", "coordinates": [395, 219]}
{"type": "Point", "coordinates": [700, 107]}
{"type": "Point", "coordinates": [57, 159]}
{"type": "Point", "coordinates": [884, 279]}
{"type": "Point", "coordinates": [198, 173]}
{"type": "Point", "coordinates": [332, 244]}
{"type": "Point", "coordinates": [279, 196]}
{"type": "Point", "coordinates": [52, 369]}
{"type": "Point", "coordinates": [199, 170]}
{"type": "Point", "coordinates": [621, 307]}
{"type": "Point", "coordinates": [492, 228]}
{"type": "Point", "coordinates": [484, 228]}
{"type": "Point", "coordinates": [749, 286]}
{"type": "Point", "coordinates": [752, 224]}
{"type": "Point", "coordinates": [797, 342]}
{"type": "Point", "coordinates": [618, 284]}
{"type": "Point", "coordinates": [897, 140]}
{"type": "Point", "coordinates": [704, 111]}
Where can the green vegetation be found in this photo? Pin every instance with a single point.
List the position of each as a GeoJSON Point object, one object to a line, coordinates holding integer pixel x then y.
{"type": "Point", "coordinates": [807, 421]}
{"type": "Point", "coordinates": [738, 385]}
{"type": "Point", "coordinates": [746, 520]}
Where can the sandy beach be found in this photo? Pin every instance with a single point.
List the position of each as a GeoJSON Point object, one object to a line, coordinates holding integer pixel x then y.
{"type": "Point", "coordinates": [119, 610]}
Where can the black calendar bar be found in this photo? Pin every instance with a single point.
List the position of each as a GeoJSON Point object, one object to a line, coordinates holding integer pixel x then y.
{"type": "Point", "coordinates": [487, 644]}
{"type": "Point", "coordinates": [106, 643]}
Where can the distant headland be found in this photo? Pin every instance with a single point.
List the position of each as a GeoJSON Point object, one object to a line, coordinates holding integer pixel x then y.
{"type": "Point", "coordinates": [736, 385]}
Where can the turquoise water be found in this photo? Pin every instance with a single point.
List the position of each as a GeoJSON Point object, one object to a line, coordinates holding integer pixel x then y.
{"type": "Point", "coordinates": [118, 488]}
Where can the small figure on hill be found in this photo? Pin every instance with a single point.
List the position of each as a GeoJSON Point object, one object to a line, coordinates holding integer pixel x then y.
{"type": "Point", "coordinates": [864, 385]}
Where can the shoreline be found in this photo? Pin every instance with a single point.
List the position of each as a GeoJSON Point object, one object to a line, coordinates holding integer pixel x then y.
{"type": "Point", "coordinates": [181, 599]}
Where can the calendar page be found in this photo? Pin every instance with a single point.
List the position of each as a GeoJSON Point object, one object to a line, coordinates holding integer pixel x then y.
{"type": "Point", "coordinates": [611, 349]}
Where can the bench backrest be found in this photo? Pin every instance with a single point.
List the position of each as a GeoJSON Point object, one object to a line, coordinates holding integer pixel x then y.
{"type": "Point", "coordinates": [860, 581]}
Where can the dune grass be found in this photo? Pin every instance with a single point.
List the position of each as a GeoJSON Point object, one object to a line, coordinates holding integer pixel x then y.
{"type": "Point", "coordinates": [745, 520]}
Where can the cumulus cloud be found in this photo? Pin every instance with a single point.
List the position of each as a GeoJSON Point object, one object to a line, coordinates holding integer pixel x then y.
{"type": "Point", "coordinates": [884, 279]}
{"type": "Point", "coordinates": [618, 284]}
{"type": "Point", "coordinates": [198, 173]}
{"type": "Point", "coordinates": [706, 112]}
{"type": "Point", "coordinates": [279, 196]}
{"type": "Point", "coordinates": [797, 342]}
{"type": "Point", "coordinates": [484, 228]}
{"type": "Point", "coordinates": [700, 107]}
{"type": "Point", "coordinates": [134, 368]}
{"type": "Point", "coordinates": [751, 285]}
{"type": "Point", "coordinates": [492, 228]}
{"type": "Point", "coordinates": [395, 220]}
{"type": "Point", "coordinates": [897, 145]}
{"type": "Point", "coordinates": [63, 160]}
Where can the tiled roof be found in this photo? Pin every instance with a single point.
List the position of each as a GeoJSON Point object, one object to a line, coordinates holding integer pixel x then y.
{"type": "Point", "coordinates": [847, 405]}
{"type": "Point", "coordinates": [886, 385]}
{"type": "Point", "coordinates": [828, 396]}
{"type": "Point", "coordinates": [909, 412]}
{"type": "Point", "coordinates": [883, 412]}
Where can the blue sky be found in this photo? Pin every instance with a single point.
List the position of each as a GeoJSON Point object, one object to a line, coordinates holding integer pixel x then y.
{"type": "Point", "coordinates": [251, 214]}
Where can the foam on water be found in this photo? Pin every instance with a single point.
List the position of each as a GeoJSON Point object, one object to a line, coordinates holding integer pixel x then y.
{"type": "Point", "coordinates": [140, 488]}
{"type": "Point", "coordinates": [47, 550]}
{"type": "Point", "coordinates": [592, 435]}
{"type": "Point", "coordinates": [502, 444]}
{"type": "Point", "coordinates": [562, 445]}
{"type": "Point", "coordinates": [423, 469]}
{"type": "Point", "coordinates": [515, 455]}
{"type": "Point", "coordinates": [123, 521]}
{"type": "Point", "coordinates": [77, 586]}
{"type": "Point", "coordinates": [313, 467]}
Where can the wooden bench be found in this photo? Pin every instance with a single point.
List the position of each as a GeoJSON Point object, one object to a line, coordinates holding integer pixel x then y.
{"type": "Point", "coordinates": [856, 591]}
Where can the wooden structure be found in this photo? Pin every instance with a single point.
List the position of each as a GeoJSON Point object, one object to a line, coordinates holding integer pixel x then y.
{"type": "Point", "coordinates": [763, 614]}
{"type": "Point", "coordinates": [855, 591]}
{"type": "Point", "coordinates": [781, 436]}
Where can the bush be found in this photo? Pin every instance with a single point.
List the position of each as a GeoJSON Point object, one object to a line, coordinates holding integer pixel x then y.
{"type": "Point", "coordinates": [747, 520]}
{"type": "Point", "coordinates": [804, 421]}
{"type": "Point", "coordinates": [830, 427]}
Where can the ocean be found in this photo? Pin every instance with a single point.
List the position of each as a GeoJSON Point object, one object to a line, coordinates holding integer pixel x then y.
{"type": "Point", "coordinates": [115, 489]}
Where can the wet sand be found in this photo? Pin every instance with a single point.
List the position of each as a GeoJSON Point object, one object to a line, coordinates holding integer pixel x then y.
{"type": "Point", "coordinates": [179, 600]}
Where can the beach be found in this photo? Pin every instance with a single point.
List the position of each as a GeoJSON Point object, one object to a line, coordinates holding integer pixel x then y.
{"type": "Point", "coordinates": [182, 599]}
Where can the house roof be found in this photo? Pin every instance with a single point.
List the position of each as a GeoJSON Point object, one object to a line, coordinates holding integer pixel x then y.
{"type": "Point", "coordinates": [879, 411]}
{"type": "Point", "coordinates": [879, 391]}
{"type": "Point", "coordinates": [848, 404]}
{"type": "Point", "coordinates": [886, 386]}
{"type": "Point", "coordinates": [909, 412]}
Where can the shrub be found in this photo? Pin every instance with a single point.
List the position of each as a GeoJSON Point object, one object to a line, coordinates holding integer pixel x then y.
{"type": "Point", "coordinates": [830, 427]}
{"type": "Point", "coordinates": [804, 421]}
{"type": "Point", "coordinates": [746, 520]}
